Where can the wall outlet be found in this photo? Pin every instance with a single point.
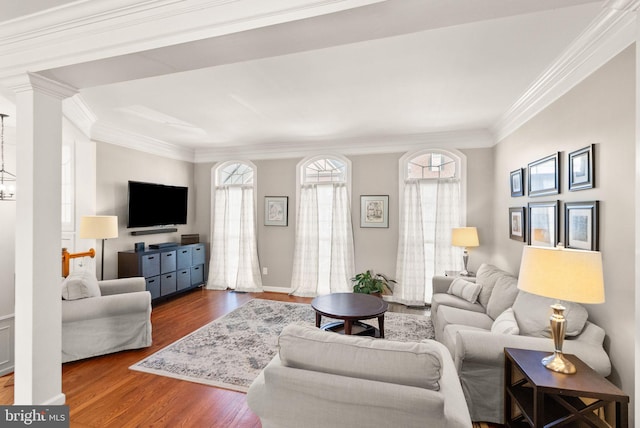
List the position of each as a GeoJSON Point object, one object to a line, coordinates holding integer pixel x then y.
{"type": "Point", "coordinates": [265, 271]}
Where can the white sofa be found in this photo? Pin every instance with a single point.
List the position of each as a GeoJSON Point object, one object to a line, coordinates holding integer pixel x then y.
{"type": "Point", "coordinates": [323, 379]}
{"type": "Point", "coordinates": [114, 317]}
{"type": "Point", "coordinates": [477, 341]}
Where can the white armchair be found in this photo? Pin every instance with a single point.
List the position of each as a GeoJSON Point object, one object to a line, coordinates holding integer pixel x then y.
{"type": "Point", "coordinates": [116, 319]}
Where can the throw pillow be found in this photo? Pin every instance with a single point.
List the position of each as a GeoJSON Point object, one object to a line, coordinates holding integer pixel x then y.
{"type": "Point", "coordinates": [505, 323]}
{"type": "Point", "coordinates": [406, 363]}
{"type": "Point", "coordinates": [533, 312]}
{"type": "Point", "coordinates": [487, 276]}
{"type": "Point", "coordinates": [503, 295]}
{"type": "Point", "coordinates": [465, 289]}
{"type": "Point", "coordinates": [80, 285]}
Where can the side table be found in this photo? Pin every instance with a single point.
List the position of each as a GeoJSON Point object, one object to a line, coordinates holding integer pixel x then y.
{"type": "Point", "coordinates": [456, 274]}
{"type": "Point", "coordinates": [545, 397]}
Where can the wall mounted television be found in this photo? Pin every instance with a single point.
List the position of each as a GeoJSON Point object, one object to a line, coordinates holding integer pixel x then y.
{"type": "Point", "coordinates": [152, 204]}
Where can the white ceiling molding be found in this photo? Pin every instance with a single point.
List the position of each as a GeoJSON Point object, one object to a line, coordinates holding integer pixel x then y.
{"type": "Point", "coordinates": [79, 113]}
{"type": "Point", "coordinates": [90, 30]}
{"type": "Point", "coordinates": [611, 32]}
{"type": "Point", "coordinates": [370, 145]}
{"type": "Point", "coordinates": [108, 133]}
{"type": "Point", "coordinates": [29, 81]}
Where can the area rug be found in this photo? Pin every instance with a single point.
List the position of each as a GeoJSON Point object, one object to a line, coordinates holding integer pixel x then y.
{"type": "Point", "coordinates": [231, 351]}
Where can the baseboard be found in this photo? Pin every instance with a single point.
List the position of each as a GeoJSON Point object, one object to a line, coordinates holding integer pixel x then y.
{"type": "Point", "coordinates": [7, 344]}
{"type": "Point", "coordinates": [277, 290]}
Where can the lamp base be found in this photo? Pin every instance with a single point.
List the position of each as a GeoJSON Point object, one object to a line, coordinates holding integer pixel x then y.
{"type": "Point", "coordinates": [558, 363]}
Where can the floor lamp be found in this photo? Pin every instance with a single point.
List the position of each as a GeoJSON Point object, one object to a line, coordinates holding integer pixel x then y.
{"type": "Point", "coordinates": [99, 227]}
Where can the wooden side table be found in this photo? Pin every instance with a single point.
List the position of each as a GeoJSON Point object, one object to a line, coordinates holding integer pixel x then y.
{"type": "Point", "coordinates": [546, 398]}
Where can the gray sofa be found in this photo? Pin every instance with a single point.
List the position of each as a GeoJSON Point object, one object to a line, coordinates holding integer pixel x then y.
{"type": "Point", "coordinates": [323, 379]}
{"type": "Point", "coordinates": [476, 340]}
{"type": "Point", "coordinates": [101, 317]}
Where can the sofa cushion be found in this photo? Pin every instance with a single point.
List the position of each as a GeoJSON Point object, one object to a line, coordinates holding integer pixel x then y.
{"type": "Point", "coordinates": [444, 299]}
{"type": "Point", "coordinates": [487, 276]}
{"type": "Point", "coordinates": [532, 314]}
{"type": "Point", "coordinates": [505, 323]}
{"type": "Point", "coordinates": [413, 364]}
{"type": "Point", "coordinates": [503, 295]}
{"type": "Point", "coordinates": [464, 289]}
{"type": "Point", "coordinates": [80, 285]}
{"type": "Point", "coordinates": [448, 315]}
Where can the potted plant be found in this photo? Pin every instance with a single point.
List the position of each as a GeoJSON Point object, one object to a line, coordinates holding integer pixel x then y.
{"type": "Point", "coordinates": [369, 283]}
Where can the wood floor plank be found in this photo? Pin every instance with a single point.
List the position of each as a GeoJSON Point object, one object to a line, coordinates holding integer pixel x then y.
{"type": "Point", "coordinates": [103, 393]}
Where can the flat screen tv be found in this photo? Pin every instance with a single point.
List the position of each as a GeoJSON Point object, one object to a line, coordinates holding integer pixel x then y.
{"type": "Point", "coordinates": [153, 204]}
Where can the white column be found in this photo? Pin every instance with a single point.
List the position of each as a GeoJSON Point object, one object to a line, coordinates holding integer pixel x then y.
{"type": "Point", "coordinates": [38, 369]}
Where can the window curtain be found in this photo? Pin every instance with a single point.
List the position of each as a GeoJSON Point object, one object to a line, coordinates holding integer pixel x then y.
{"type": "Point", "coordinates": [234, 254]}
{"type": "Point", "coordinates": [431, 208]}
{"type": "Point", "coordinates": [305, 278]}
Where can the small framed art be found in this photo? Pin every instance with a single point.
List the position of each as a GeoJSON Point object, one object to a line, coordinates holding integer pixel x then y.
{"type": "Point", "coordinates": [374, 211]}
{"type": "Point", "coordinates": [517, 182]}
{"type": "Point", "coordinates": [581, 169]}
{"type": "Point", "coordinates": [544, 176]}
{"type": "Point", "coordinates": [543, 224]}
{"type": "Point", "coordinates": [517, 224]}
{"type": "Point", "coordinates": [581, 225]}
{"type": "Point", "coordinates": [276, 210]}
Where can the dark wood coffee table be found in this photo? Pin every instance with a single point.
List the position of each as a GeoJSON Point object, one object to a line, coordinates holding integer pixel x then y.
{"type": "Point", "coordinates": [351, 308]}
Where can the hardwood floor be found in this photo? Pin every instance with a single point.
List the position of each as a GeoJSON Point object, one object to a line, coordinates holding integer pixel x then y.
{"type": "Point", "coordinates": [103, 392]}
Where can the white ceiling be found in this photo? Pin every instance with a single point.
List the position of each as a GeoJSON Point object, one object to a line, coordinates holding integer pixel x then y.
{"type": "Point", "coordinates": [400, 67]}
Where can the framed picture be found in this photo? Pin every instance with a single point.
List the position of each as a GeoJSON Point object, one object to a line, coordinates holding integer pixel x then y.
{"type": "Point", "coordinates": [544, 176]}
{"type": "Point", "coordinates": [581, 170]}
{"type": "Point", "coordinates": [517, 182]}
{"type": "Point", "coordinates": [517, 224]}
{"type": "Point", "coordinates": [374, 211]}
{"type": "Point", "coordinates": [276, 210]}
{"type": "Point", "coordinates": [581, 225]}
{"type": "Point", "coordinates": [543, 224]}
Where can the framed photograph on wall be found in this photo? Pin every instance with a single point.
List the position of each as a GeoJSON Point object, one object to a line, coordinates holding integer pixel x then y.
{"type": "Point", "coordinates": [517, 182]}
{"type": "Point", "coordinates": [544, 176]}
{"type": "Point", "coordinates": [581, 225]}
{"type": "Point", "coordinates": [276, 210]}
{"type": "Point", "coordinates": [374, 210]}
{"type": "Point", "coordinates": [543, 223]}
{"type": "Point", "coordinates": [581, 168]}
{"type": "Point", "coordinates": [517, 224]}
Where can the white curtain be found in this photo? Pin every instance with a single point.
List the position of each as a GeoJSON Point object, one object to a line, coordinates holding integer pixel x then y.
{"type": "Point", "coordinates": [410, 265]}
{"type": "Point", "coordinates": [431, 208]}
{"type": "Point", "coordinates": [305, 280]}
{"type": "Point", "coordinates": [234, 254]}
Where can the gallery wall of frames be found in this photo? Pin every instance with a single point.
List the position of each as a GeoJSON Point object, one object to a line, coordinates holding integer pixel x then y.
{"type": "Point", "coordinates": [539, 222]}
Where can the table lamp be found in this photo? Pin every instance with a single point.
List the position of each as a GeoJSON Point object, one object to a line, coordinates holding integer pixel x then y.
{"type": "Point", "coordinates": [558, 273]}
{"type": "Point", "coordinates": [99, 227]}
{"type": "Point", "coordinates": [464, 237]}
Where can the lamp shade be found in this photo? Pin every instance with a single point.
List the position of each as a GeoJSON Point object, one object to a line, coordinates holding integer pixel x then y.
{"type": "Point", "coordinates": [558, 273]}
{"type": "Point", "coordinates": [464, 237]}
{"type": "Point", "coordinates": [99, 227]}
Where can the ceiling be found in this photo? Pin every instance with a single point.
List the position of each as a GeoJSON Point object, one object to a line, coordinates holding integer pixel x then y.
{"type": "Point", "coordinates": [382, 71]}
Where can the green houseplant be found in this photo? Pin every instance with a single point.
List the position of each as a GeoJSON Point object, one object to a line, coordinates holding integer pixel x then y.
{"type": "Point", "coordinates": [370, 283]}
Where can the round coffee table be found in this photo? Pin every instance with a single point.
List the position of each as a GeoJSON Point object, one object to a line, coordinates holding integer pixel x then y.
{"type": "Point", "coordinates": [351, 308]}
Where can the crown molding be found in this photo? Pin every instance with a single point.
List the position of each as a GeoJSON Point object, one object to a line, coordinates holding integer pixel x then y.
{"type": "Point", "coordinates": [609, 33]}
{"type": "Point", "coordinates": [87, 30]}
{"type": "Point", "coordinates": [26, 82]}
{"type": "Point", "coordinates": [465, 139]}
{"type": "Point", "coordinates": [79, 113]}
{"type": "Point", "coordinates": [107, 133]}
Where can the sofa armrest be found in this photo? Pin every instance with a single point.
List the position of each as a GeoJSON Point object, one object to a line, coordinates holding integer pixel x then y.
{"type": "Point", "coordinates": [105, 306]}
{"type": "Point", "coordinates": [441, 284]}
{"type": "Point", "coordinates": [122, 285]}
{"type": "Point", "coordinates": [486, 348]}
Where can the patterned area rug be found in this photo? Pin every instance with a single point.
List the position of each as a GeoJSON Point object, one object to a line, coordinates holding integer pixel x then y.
{"type": "Point", "coordinates": [231, 351]}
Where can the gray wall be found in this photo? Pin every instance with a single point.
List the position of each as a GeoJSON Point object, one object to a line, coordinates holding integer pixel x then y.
{"type": "Point", "coordinates": [115, 167]}
{"type": "Point", "coordinates": [600, 111]}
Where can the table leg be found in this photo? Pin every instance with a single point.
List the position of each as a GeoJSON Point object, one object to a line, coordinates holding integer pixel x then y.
{"type": "Point", "coordinates": [347, 326]}
{"type": "Point", "coordinates": [622, 414]}
{"type": "Point", "coordinates": [318, 319]}
{"type": "Point", "coordinates": [381, 325]}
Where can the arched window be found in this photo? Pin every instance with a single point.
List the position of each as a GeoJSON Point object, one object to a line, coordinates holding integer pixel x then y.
{"type": "Point", "coordinates": [234, 252]}
{"type": "Point", "coordinates": [323, 258]}
{"type": "Point", "coordinates": [432, 195]}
